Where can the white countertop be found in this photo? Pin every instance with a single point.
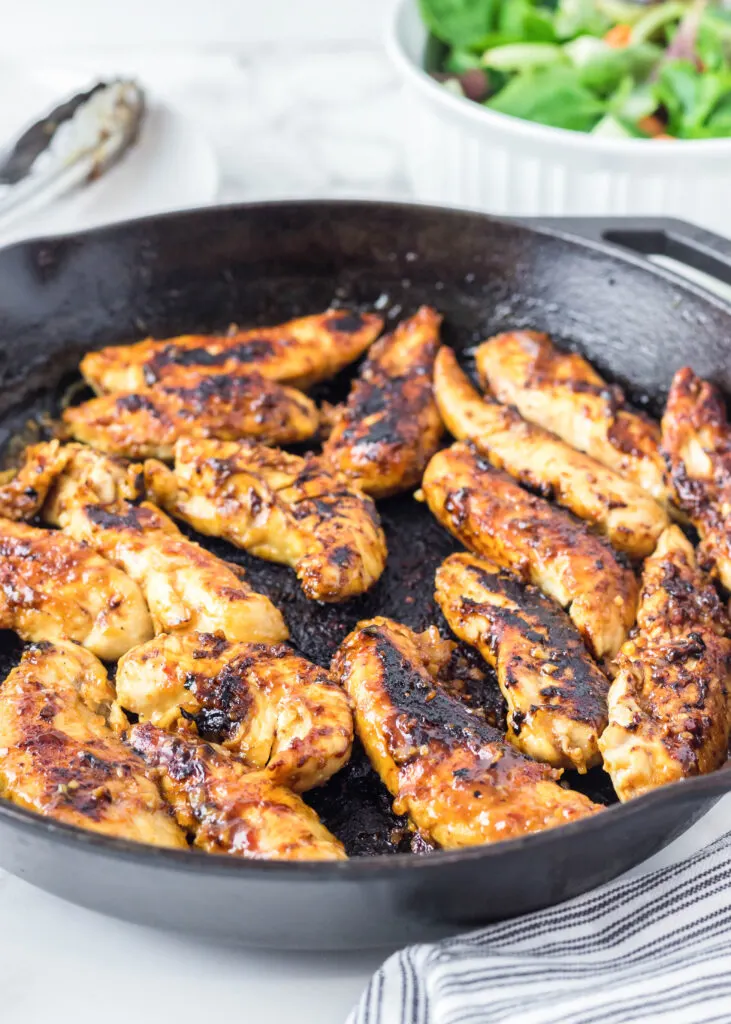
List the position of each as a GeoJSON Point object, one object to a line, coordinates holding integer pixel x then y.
{"type": "Point", "coordinates": [286, 119]}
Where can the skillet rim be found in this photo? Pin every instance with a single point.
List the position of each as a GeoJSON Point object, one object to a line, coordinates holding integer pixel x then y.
{"type": "Point", "coordinates": [694, 791]}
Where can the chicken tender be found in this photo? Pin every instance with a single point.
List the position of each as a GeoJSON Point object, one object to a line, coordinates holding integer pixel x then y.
{"type": "Point", "coordinates": [287, 509]}
{"type": "Point", "coordinates": [187, 588]}
{"type": "Point", "coordinates": [563, 393]}
{"type": "Point", "coordinates": [148, 422]}
{"type": "Point", "coordinates": [268, 705]}
{"type": "Point", "coordinates": [59, 757]}
{"type": "Point", "coordinates": [390, 427]}
{"type": "Point", "coordinates": [620, 509]}
{"type": "Point", "coordinates": [455, 776]}
{"type": "Point", "coordinates": [668, 704]}
{"type": "Point", "coordinates": [696, 437]}
{"type": "Point", "coordinates": [300, 352]}
{"type": "Point", "coordinates": [544, 546]}
{"type": "Point", "coordinates": [54, 588]}
{"type": "Point", "coordinates": [23, 489]}
{"type": "Point", "coordinates": [230, 809]}
{"type": "Point", "coordinates": [556, 694]}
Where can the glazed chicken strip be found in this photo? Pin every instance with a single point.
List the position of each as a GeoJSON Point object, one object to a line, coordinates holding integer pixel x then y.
{"type": "Point", "coordinates": [696, 437]}
{"type": "Point", "coordinates": [297, 511]}
{"type": "Point", "coordinates": [186, 587]}
{"type": "Point", "coordinates": [227, 807]}
{"type": "Point", "coordinates": [620, 509]}
{"type": "Point", "coordinates": [23, 490]}
{"type": "Point", "coordinates": [268, 705]}
{"type": "Point", "coordinates": [147, 423]}
{"type": "Point", "coordinates": [300, 352]}
{"type": "Point", "coordinates": [668, 716]}
{"type": "Point", "coordinates": [543, 545]}
{"type": "Point", "coordinates": [562, 392]}
{"type": "Point", "coordinates": [59, 757]}
{"type": "Point", "coordinates": [54, 588]}
{"type": "Point", "coordinates": [556, 694]}
{"type": "Point", "coordinates": [455, 776]}
{"type": "Point", "coordinates": [390, 427]}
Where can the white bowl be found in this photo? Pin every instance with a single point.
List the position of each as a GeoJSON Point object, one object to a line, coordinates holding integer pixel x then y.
{"type": "Point", "coordinates": [461, 153]}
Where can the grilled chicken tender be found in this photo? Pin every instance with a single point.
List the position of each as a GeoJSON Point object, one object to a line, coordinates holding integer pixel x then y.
{"type": "Point", "coordinates": [494, 517]}
{"type": "Point", "coordinates": [59, 757]}
{"type": "Point", "coordinates": [147, 423]}
{"type": "Point", "coordinates": [562, 392]}
{"type": "Point", "coordinates": [268, 705]}
{"type": "Point", "coordinates": [187, 588]}
{"type": "Point", "coordinates": [54, 588]}
{"type": "Point", "coordinates": [696, 437]}
{"type": "Point", "coordinates": [668, 703]}
{"type": "Point", "coordinates": [630, 518]}
{"type": "Point", "coordinates": [23, 490]}
{"type": "Point", "coordinates": [300, 352]}
{"type": "Point", "coordinates": [281, 507]}
{"type": "Point", "coordinates": [460, 783]}
{"type": "Point", "coordinates": [556, 694]}
{"type": "Point", "coordinates": [390, 427]}
{"type": "Point", "coordinates": [229, 808]}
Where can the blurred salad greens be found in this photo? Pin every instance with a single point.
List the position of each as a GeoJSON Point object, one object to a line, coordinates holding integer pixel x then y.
{"type": "Point", "coordinates": [610, 67]}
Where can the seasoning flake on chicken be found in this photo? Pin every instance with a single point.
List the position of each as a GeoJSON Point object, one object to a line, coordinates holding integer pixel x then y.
{"type": "Point", "coordinates": [187, 588]}
{"type": "Point", "coordinates": [455, 776]}
{"type": "Point", "coordinates": [668, 704]}
{"type": "Point", "coordinates": [52, 588]}
{"type": "Point", "coordinates": [271, 707]}
{"type": "Point", "coordinates": [390, 427]}
{"type": "Point", "coordinates": [629, 517]}
{"type": "Point", "coordinates": [543, 545]}
{"type": "Point", "coordinates": [300, 352]}
{"type": "Point", "coordinates": [696, 438]}
{"type": "Point", "coordinates": [228, 808]}
{"type": "Point", "coordinates": [148, 422]}
{"type": "Point", "coordinates": [563, 393]}
{"type": "Point", "coordinates": [59, 757]}
{"type": "Point", "coordinates": [556, 694]}
{"type": "Point", "coordinates": [281, 507]}
{"type": "Point", "coordinates": [24, 488]}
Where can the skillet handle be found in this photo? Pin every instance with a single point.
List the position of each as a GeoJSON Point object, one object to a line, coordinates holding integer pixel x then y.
{"type": "Point", "coordinates": [652, 236]}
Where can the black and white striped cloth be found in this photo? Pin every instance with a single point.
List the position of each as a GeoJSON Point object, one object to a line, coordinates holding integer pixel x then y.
{"type": "Point", "coordinates": [651, 948]}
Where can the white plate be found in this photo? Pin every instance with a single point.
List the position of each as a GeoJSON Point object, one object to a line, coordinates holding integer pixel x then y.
{"type": "Point", "coordinates": [172, 166]}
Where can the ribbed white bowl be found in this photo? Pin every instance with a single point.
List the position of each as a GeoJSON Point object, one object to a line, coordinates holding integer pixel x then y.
{"type": "Point", "coordinates": [461, 153]}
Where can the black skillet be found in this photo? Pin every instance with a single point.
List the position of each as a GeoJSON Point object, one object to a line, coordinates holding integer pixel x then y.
{"type": "Point", "coordinates": [262, 264]}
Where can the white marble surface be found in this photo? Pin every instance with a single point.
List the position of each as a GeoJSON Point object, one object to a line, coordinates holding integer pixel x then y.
{"type": "Point", "coordinates": [302, 106]}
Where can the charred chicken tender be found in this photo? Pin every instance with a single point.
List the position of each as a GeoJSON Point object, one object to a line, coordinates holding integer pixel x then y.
{"type": "Point", "coordinates": [625, 513]}
{"type": "Point", "coordinates": [187, 588]}
{"type": "Point", "coordinates": [301, 352]}
{"type": "Point", "coordinates": [696, 438]}
{"type": "Point", "coordinates": [495, 518]}
{"type": "Point", "coordinates": [148, 422]}
{"type": "Point", "coordinates": [390, 427]}
{"type": "Point", "coordinates": [563, 393]}
{"type": "Point", "coordinates": [556, 694]}
{"type": "Point", "coordinates": [668, 704]}
{"type": "Point", "coordinates": [53, 588]}
{"type": "Point", "coordinates": [281, 507]}
{"type": "Point", "coordinates": [23, 489]}
{"type": "Point", "coordinates": [455, 776]}
{"type": "Point", "coordinates": [59, 757]}
{"type": "Point", "coordinates": [228, 808]}
{"type": "Point", "coordinates": [272, 708]}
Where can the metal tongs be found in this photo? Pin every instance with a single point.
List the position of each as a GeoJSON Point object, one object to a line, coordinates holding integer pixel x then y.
{"type": "Point", "coordinates": [73, 144]}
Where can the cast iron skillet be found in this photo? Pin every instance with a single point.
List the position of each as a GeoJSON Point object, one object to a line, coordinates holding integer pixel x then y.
{"type": "Point", "coordinates": [262, 264]}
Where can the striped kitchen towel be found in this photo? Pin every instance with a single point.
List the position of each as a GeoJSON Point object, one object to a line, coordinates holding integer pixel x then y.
{"type": "Point", "coordinates": [655, 947]}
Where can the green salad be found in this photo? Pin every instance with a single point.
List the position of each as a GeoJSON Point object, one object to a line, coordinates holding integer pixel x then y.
{"type": "Point", "coordinates": [608, 67]}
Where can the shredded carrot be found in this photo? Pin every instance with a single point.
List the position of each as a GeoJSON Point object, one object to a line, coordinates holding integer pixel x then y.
{"type": "Point", "coordinates": [652, 126]}
{"type": "Point", "coordinates": [619, 36]}
{"type": "Point", "coordinates": [663, 135]}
